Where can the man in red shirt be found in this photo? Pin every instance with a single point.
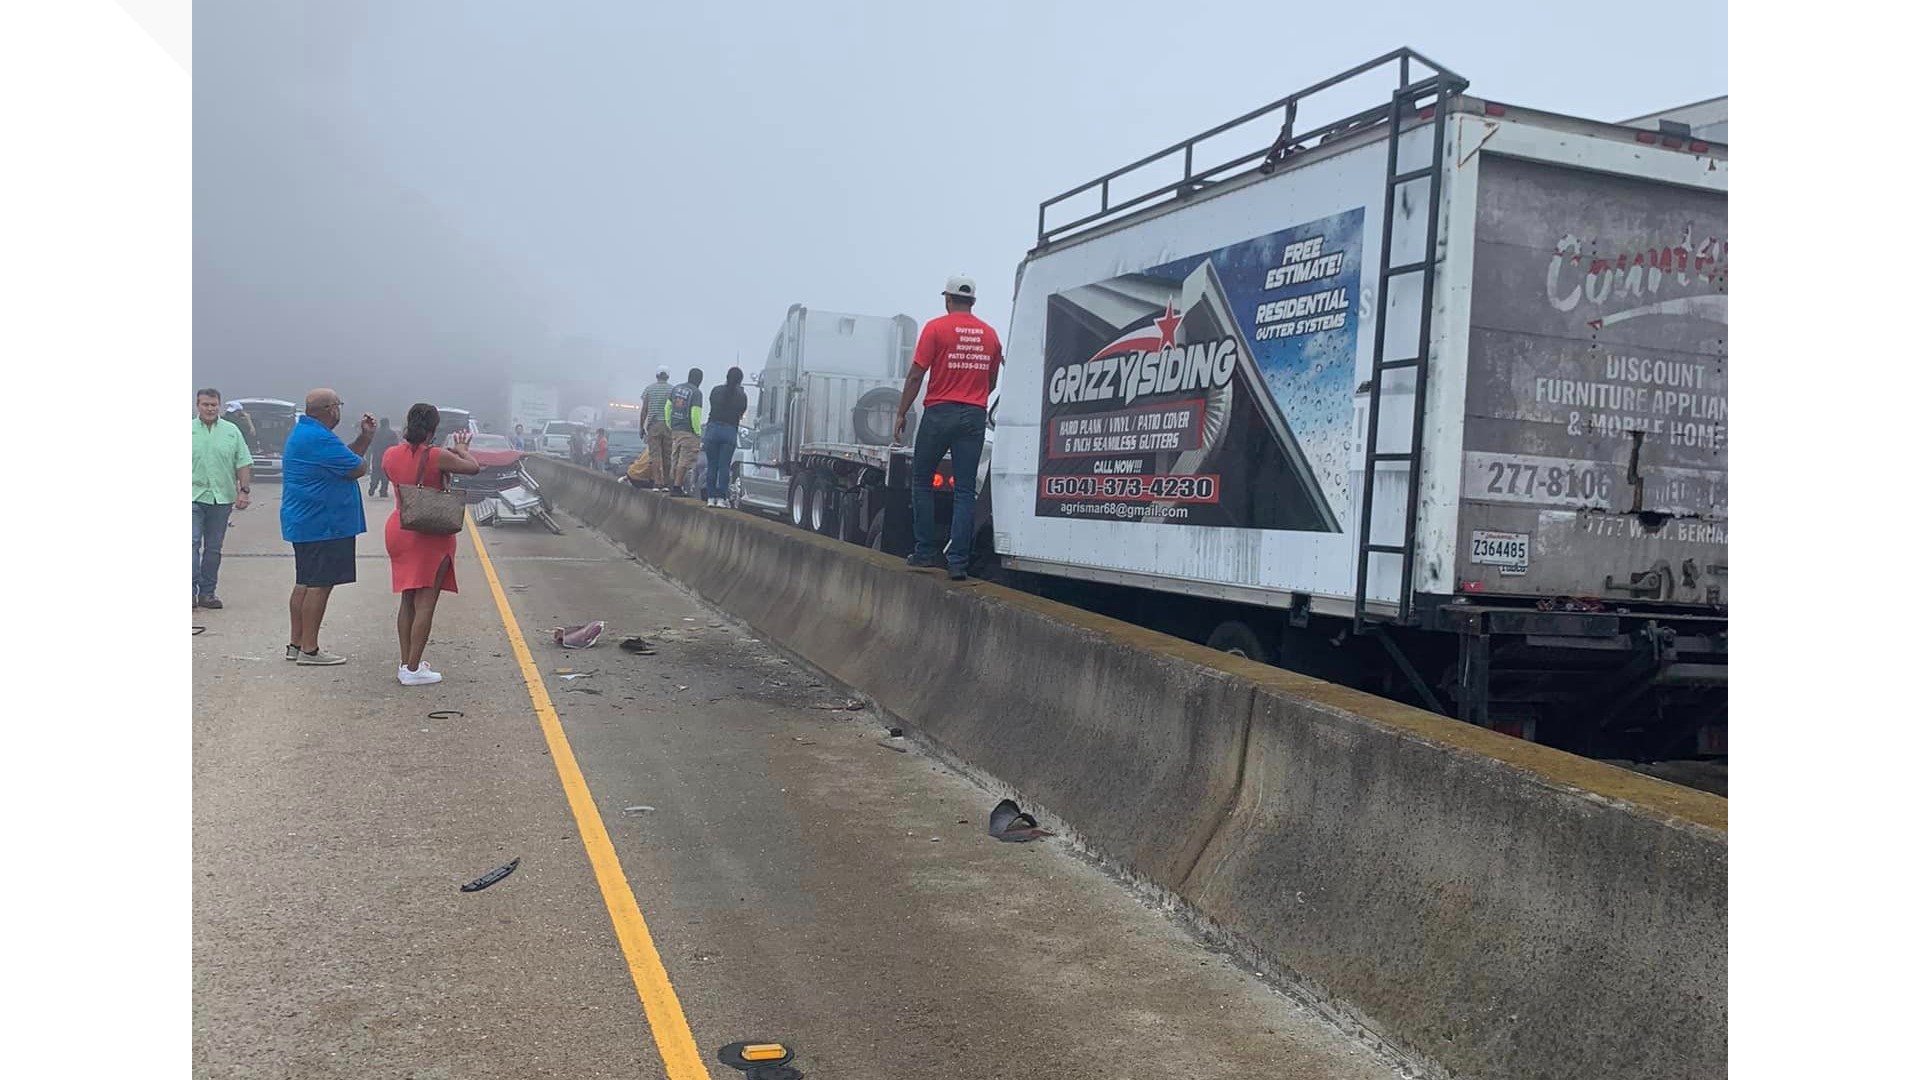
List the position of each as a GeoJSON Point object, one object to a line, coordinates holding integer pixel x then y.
{"type": "Point", "coordinates": [959, 358]}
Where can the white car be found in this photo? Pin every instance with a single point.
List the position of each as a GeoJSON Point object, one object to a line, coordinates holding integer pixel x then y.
{"type": "Point", "coordinates": [556, 439]}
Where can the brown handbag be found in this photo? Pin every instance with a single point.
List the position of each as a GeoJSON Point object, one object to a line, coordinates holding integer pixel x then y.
{"type": "Point", "coordinates": [434, 511]}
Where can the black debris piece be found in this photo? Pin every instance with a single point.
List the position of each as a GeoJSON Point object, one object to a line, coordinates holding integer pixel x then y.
{"type": "Point", "coordinates": [638, 646]}
{"type": "Point", "coordinates": [491, 877]}
{"type": "Point", "coordinates": [581, 690]}
{"type": "Point", "coordinates": [1009, 824]}
{"type": "Point", "coordinates": [444, 714]}
{"type": "Point", "coordinates": [895, 733]}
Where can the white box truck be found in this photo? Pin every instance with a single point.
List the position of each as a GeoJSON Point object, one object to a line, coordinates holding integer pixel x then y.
{"type": "Point", "coordinates": [1431, 397]}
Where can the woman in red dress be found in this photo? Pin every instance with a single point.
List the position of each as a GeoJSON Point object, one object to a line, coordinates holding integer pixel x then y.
{"type": "Point", "coordinates": [422, 562]}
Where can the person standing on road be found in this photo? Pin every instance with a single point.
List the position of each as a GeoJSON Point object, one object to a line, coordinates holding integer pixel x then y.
{"type": "Point", "coordinates": [378, 484]}
{"type": "Point", "coordinates": [577, 446]}
{"type": "Point", "coordinates": [959, 358]}
{"type": "Point", "coordinates": [683, 421]}
{"type": "Point", "coordinates": [422, 562]}
{"type": "Point", "coordinates": [600, 450]}
{"type": "Point", "coordinates": [222, 483]}
{"type": "Point", "coordinates": [320, 515]}
{"type": "Point", "coordinates": [518, 440]}
{"type": "Point", "coordinates": [722, 435]}
{"type": "Point", "coordinates": [653, 406]}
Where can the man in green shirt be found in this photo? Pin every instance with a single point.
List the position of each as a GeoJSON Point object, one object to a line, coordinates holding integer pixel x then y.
{"type": "Point", "coordinates": [222, 483]}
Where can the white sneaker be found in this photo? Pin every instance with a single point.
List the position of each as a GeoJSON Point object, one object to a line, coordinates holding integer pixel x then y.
{"type": "Point", "coordinates": [426, 676]}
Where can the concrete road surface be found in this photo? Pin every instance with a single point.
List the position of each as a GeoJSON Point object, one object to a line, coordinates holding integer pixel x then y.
{"type": "Point", "coordinates": [800, 878]}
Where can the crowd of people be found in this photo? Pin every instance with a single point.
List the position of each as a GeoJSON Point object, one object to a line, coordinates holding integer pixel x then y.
{"type": "Point", "coordinates": [322, 514]}
{"type": "Point", "coordinates": [683, 434]}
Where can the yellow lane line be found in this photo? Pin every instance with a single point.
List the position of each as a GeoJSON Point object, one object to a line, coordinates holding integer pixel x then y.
{"type": "Point", "coordinates": [670, 1032]}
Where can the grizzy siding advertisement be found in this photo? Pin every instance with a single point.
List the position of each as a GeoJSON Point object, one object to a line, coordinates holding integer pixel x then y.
{"type": "Point", "coordinates": [1213, 390]}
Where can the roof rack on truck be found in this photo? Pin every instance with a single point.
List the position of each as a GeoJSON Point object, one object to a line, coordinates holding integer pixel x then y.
{"type": "Point", "coordinates": [1432, 79]}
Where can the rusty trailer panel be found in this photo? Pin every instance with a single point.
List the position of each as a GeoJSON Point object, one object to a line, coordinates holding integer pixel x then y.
{"type": "Point", "coordinates": [1594, 459]}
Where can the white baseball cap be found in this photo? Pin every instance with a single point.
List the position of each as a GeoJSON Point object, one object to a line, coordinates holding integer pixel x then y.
{"type": "Point", "coordinates": [961, 286]}
{"type": "Point", "coordinates": [662, 373]}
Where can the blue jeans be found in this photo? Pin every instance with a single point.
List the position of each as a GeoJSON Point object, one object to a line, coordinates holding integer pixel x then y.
{"type": "Point", "coordinates": [719, 440]}
{"type": "Point", "coordinates": [209, 533]}
{"type": "Point", "coordinates": [963, 430]}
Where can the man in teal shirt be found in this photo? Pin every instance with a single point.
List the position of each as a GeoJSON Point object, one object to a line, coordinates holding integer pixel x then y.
{"type": "Point", "coordinates": [222, 483]}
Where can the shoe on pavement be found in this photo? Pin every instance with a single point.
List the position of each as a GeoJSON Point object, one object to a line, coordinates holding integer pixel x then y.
{"type": "Point", "coordinates": [919, 562]}
{"type": "Point", "coordinates": [956, 573]}
{"type": "Point", "coordinates": [319, 658]}
{"type": "Point", "coordinates": [211, 603]}
{"type": "Point", "coordinates": [425, 676]}
{"type": "Point", "coordinates": [293, 652]}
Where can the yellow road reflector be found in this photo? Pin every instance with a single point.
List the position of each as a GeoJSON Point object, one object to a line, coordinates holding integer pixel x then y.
{"type": "Point", "coordinates": [763, 1052]}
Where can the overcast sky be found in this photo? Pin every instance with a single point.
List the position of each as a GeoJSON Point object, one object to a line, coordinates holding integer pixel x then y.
{"type": "Point", "coordinates": [422, 198]}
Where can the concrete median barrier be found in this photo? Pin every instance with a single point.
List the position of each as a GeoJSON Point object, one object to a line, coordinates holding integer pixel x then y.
{"type": "Point", "coordinates": [1490, 907]}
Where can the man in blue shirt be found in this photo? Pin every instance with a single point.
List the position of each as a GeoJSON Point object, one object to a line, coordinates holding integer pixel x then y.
{"type": "Point", "coordinates": [320, 515]}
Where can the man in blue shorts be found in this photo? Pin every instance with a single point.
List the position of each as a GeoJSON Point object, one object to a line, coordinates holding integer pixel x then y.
{"type": "Point", "coordinates": [320, 515]}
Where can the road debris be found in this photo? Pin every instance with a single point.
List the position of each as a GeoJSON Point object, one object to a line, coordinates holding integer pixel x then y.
{"type": "Point", "coordinates": [636, 809]}
{"type": "Point", "coordinates": [760, 1059]}
{"type": "Point", "coordinates": [895, 749]}
{"type": "Point", "coordinates": [444, 714]}
{"type": "Point", "coordinates": [1010, 825]}
{"type": "Point", "coordinates": [491, 877]}
{"type": "Point", "coordinates": [638, 646]}
{"type": "Point", "coordinates": [581, 690]}
{"type": "Point", "coordinates": [572, 675]}
{"type": "Point", "coordinates": [579, 637]}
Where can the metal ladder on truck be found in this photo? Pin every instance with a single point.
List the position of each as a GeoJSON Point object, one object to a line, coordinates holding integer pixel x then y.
{"type": "Point", "coordinates": [1414, 103]}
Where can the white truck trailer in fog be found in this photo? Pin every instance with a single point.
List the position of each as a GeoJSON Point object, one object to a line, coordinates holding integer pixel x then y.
{"type": "Point", "coordinates": [822, 450]}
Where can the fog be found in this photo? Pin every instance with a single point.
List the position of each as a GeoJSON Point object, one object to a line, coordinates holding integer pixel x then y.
{"type": "Point", "coordinates": [425, 200]}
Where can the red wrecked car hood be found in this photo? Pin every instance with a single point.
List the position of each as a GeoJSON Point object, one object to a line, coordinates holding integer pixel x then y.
{"type": "Point", "coordinates": [493, 459]}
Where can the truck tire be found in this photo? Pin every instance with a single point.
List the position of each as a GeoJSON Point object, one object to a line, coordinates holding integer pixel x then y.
{"type": "Point", "coordinates": [798, 494]}
{"type": "Point", "coordinates": [873, 417]}
{"type": "Point", "coordinates": [1238, 639]}
{"type": "Point", "coordinates": [877, 533]}
{"type": "Point", "coordinates": [820, 510]}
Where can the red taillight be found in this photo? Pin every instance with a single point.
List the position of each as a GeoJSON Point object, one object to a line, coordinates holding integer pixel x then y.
{"type": "Point", "coordinates": [1496, 110]}
{"type": "Point", "coordinates": [1647, 137]}
{"type": "Point", "coordinates": [939, 480]}
{"type": "Point", "coordinates": [1426, 113]}
{"type": "Point", "coordinates": [1697, 147]}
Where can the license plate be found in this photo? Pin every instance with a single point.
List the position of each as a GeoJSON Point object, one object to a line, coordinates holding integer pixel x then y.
{"type": "Point", "coordinates": [1508, 552]}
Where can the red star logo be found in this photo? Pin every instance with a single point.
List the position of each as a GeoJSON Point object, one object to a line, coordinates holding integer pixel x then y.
{"type": "Point", "coordinates": [1167, 324]}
